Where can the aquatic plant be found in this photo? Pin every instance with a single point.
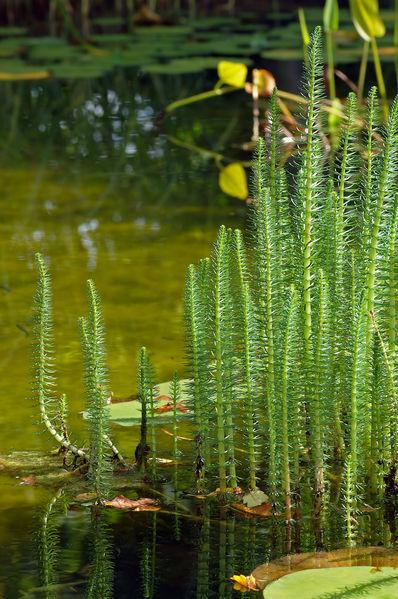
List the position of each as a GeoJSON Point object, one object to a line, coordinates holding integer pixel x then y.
{"type": "Point", "coordinates": [302, 338]}
{"type": "Point", "coordinates": [52, 406]}
{"type": "Point", "coordinates": [149, 558]}
{"type": "Point", "coordinates": [100, 583]}
{"type": "Point", "coordinates": [198, 358]}
{"type": "Point", "coordinates": [146, 395]}
{"type": "Point", "coordinates": [49, 543]}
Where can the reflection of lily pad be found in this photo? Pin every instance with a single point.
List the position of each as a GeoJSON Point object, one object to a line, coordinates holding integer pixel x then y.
{"type": "Point", "coordinates": [128, 413]}
{"type": "Point", "coordinates": [358, 581]}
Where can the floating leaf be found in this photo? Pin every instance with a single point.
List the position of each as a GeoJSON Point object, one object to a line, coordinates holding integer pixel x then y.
{"type": "Point", "coordinates": [128, 413]}
{"type": "Point", "coordinates": [366, 18]}
{"type": "Point", "coordinates": [244, 583]}
{"type": "Point", "coordinates": [27, 74]}
{"type": "Point", "coordinates": [232, 73]}
{"type": "Point", "coordinates": [374, 557]}
{"type": "Point", "coordinates": [145, 504]}
{"type": "Point", "coordinates": [254, 498]}
{"type": "Point", "coordinates": [77, 71]}
{"type": "Point", "coordinates": [233, 181]}
{"type": "Point", "coordinates": [112, 39]}
{"type": "Point", "coordinates": [28, 480]}
{"type": "Point", "coordinates": [357, 581]}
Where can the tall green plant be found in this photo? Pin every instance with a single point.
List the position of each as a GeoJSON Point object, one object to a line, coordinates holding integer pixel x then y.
{"type": "Point", "coordinates": [197, 348]}
{"type": "Point", "coordinates": [52, 406]}
{"type": "Point", "coordinates": [96, 380]}
{"type": "Point", "coordinates": [304, 333]}
{"type": "Point", "coordinates": [146, 395]}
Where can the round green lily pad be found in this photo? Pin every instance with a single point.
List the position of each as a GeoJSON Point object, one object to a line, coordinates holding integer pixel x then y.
{"type": "Point", "coordinates": [128, 413]}
{"type": "Point", "coordinates": [336, 583]}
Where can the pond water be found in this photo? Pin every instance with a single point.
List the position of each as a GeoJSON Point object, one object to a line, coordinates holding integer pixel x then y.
{"type": "Point", "coordinates": [91, 180]}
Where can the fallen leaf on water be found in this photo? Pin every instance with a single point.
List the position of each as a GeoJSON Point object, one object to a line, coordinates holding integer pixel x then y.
{"type": "Point", "coordinates": [168, 407]}
{"type": "Point", "coordinates": [244, 583]}
{"type": "Point", "coordinates": [28, 480]}
{"type": "Point", "coordinates": [264, 510]}
{"type": "Point", "coordinates": [254, 498]}
{"type": "Point", "coordinates": [163, 398]}
{"type": "Point", "coordinates": [138, 505]}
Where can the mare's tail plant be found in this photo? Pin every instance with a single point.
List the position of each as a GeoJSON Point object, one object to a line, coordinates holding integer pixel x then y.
{"type": "Point", "coordinates": [49, 543]}
{"type": "Point", "coordinates": [296, 351]}
{"type": "Point", "coordinates": [100, 583]}
{"type": "Point", "coordinates": [52, 406]}
{"type": "Point", "coordinates": [96, 380]}
{"type": "Point", "coordinates": [145, 385]}
{"type": "Point", "coordinates": [196, 318]}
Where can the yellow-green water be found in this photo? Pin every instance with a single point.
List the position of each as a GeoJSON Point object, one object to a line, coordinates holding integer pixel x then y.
{"type": "Point", "coordinates": [131, 215]}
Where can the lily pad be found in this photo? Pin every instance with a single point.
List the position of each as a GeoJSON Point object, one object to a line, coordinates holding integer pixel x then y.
{"type": "Point", "coordinates": [82, 71]}
{"type": "Point", "coordinates": [112, 39]}
{"type": "Point", "coordinates": [186, 65]}
{"type": "Point", "coordinates": [128, 413]}
{"type": "Point", "coordinates": [50, 52]}
{"type": "Point", "coordinates": [347, 583]}
{"type": "Point", "coordinates": [371, 557]}
{"type": "Point", "coordinates": [108, 21]}
{"type": "Point", "coordinates": [163, 30]}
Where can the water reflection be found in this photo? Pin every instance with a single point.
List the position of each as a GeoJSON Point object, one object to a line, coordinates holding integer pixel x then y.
{"type": "Point", "coordinates": [100, 553]}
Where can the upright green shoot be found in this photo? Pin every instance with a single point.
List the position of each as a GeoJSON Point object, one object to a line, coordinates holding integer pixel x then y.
{"type": "Point", "coordinates": [52, 407]}
{"type": "Point", "coordinates": [97, 393]}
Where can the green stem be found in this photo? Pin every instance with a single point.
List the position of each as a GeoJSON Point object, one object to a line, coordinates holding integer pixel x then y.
{"type": "Point", "coordinates": [285, 407]}
{"type": "Point", "coordinates": [248, 403]}
{"type": "Point", "coordinates": [362, 70]}
{"type": "Point", "coordinates": [396, 38]}
{"type": "Point", "coordinates": [379, 77]}
{"type": "Point", "coordinates": [330, 58]}
{"type": "Point", "coordinates": [219, 91]}
{"type": "Point", "coordinates": [222, 474]}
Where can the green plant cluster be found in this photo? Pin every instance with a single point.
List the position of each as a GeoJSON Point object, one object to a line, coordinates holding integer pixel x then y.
{"type": "Point", "coordinates": [292, 339]}
{"type": "Point", "coordinates": [52, 405]}
{"type": "Point", "coordinates": [291, 334]}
